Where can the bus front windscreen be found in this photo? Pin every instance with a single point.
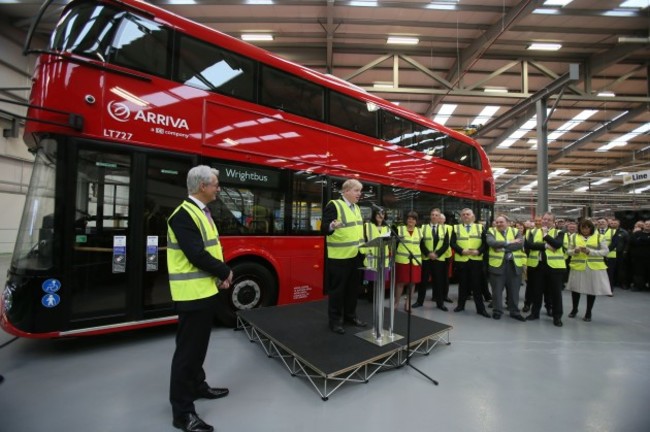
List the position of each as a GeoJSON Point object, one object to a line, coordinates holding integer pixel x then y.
{"type": "Point", "coordinates": [33, 249]}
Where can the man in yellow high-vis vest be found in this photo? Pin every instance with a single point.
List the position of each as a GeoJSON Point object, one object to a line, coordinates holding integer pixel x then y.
{"type": "Point", "coordinates": [467, 240]}
{"type": "Point", "coordinates": [505, 266]}
{"type": "Point", "coordinates": [546, 267]}
{"type": "Point", "coordinates": [196, 272]}
{"type": "Point", "coordinates": [343, 228]}
{"type": "Point", "coordinates": [434, 246]}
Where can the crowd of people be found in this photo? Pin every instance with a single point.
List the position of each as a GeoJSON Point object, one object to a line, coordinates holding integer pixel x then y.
{"type": "Point", "coordinates": [589, 257]}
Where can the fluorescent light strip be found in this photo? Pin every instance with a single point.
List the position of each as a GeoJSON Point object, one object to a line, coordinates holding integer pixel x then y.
{"type": "Point", "coordinates": [606, 94]}
{"type": "Point", "coordinates": [382, 84]}
{"type": "Point", "coordinates": [256, 37]}
{"type": "Point", "coordinates": [560, 3]}
{"type": "Point", "coordinates": [495, 90]}
{"type": "Point", "coordinates": [601, 181]}
{"type": "Point", "coordinates": [542, 46]}
{"type": "Point", "coordinates": [402, 40]}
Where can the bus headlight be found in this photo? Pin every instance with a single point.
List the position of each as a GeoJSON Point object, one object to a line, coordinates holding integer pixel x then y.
{"type": "Point", "coordinates": [7, 297]}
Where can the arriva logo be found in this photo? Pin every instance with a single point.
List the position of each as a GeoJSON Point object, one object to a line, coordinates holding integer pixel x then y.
{"type": "Point", "coordinates": [121, 113]}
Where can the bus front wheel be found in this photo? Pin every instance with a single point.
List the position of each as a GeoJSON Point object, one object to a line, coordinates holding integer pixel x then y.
{"type": "Point", "coordinates": [253, 286]}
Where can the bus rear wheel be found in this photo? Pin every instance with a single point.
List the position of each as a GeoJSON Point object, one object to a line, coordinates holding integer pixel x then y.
{"type": "Point", "coordinates": [253, 286]}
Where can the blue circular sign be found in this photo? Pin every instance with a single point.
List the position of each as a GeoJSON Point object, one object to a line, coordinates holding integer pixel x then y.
{"type": "Point", "coordinates": [50, 300]}
{"type": "Point", "coordinates": [51, 286]}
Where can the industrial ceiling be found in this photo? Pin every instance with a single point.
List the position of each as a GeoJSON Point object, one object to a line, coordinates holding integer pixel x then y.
{"type": "Point", "coordinates": [471, 58]}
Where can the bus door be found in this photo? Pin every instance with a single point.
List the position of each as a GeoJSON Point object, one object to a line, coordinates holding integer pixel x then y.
{"type": "Point", "coordinates": [122, 199]}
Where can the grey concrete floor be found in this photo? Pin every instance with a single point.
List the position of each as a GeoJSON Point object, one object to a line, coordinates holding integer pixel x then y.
{"type": "Point", "coordinates": [495, 376]}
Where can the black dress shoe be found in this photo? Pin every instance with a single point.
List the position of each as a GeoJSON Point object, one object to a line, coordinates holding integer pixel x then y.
{"type": "Point", "coordinates": [459, 309]}
{"type": "Point", "coordinates": [443, 308]}
{"type": "Point", "coordinates": [526, 308]}
{"type": "Point", "coordinates": [337, 328]}
{"type": "Point", "coordinates": [518, 317]}
{"type": "Point", "coordinates": [192, 423]}
{"type": "Point", "coordinates": [557, 322]}
{"type": "Point", "coordinates": [213, 393]}
{"type": "Point", "coordinates": [532, 317]}
{"type": "Point", "coordinates": [356, 322]}
{"type": "Point", "coordinates": [416, 305]}
{"type": "Point", "coordinates": [484, 313]}
{"type": "Point", "coordinates": [448, 300]}
{"type": "Point", "coordinates": [573, 313]}
{"type": "Point", "coordinates": [496, 316]}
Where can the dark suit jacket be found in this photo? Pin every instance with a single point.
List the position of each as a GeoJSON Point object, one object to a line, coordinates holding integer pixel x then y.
{"type": "Point", "coordinates": [191, 243]}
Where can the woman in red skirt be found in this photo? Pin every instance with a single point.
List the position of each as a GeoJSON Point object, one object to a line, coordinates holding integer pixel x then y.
{"type": "Point", "coordinates": [407, 269]}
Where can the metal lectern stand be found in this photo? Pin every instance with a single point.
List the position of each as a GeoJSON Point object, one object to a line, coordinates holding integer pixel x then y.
{"type": "Point", "coordinates": [376, 335]}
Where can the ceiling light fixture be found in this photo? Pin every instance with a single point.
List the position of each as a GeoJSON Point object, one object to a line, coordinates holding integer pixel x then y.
{"type": "Point", "coordinates": [257, 37]}
{"type": "Point", "coordinates": [402, 40]}
{"type": "Point", "coordinates": [495, 90]}
{"type": "Point", "coordinates": [544, 46]}
{"type": "Point", "coordinates": [560, 3]}
{"type": "Point", "coordinates": [383, 85]}
{"type": "Point", "coordinates": [633, 39]}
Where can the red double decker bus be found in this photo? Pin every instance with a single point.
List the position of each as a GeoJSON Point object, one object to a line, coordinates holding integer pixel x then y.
{"type": "Point", "coordinates": [127, 97]}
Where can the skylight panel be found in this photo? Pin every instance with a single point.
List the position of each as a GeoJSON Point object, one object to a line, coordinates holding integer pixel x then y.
{"type": "Point", "coordinates": [485, 115]}
{"type": "Point", "coordinates": [623, 140]}
{"type": "Point", "coordinates": [566, 127]}
{"type": "Point", "coordinates": [445, 112]}
{"type": "Point", "coordinates": [635, 4]}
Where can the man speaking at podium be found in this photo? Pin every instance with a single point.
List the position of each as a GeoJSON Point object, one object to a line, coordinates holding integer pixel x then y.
{"type": "Point", "coordinates": [343, 228]}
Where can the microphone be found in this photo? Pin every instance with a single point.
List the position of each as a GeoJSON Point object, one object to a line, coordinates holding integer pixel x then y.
{"type": "Point", "coordinates": [378, 208]}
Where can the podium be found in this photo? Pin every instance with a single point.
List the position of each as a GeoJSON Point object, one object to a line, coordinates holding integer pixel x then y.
{"type": "Point", "coordinates": [377, 335]}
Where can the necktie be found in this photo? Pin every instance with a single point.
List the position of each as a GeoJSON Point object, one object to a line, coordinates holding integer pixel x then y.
{"type": "Point", "coordinates": [503, 233]}
{"type": "Point", "coordinates": [602, 231]}
{"type": "Point", "coordinates": [467, 227]}
{"type": "Point", "coordinates": [206, 210]}
{"type": "Point", "coordinates": [434, 228]}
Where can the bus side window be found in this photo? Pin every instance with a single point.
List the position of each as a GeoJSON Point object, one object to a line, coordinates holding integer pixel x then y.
{"type": "Point", "coordinates": [211, 68]}
{"type": "Point", "coordinates": [142, 45]}
{"type": "Point", "coordinates": [351, 114]}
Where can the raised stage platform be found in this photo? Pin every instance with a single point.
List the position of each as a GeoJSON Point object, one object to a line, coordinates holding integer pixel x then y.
{"type": "Point", "coordinates": [299, 336]}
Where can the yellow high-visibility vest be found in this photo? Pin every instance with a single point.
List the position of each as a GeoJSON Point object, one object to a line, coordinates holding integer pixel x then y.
{"type": "Point", "coordinates": [186, 281]}
{"type": "Point", "coordinates": [468, 240]}
{"type": "Point", "coordinates": [496, 257]}
{"type": "Point", "coordinates": [372, 232]}
{"type": "Point", "coordinates": [345, 241]}
{"type": "Point", "coordinates": [428, 237]}
{"type": "Point", "coordinates": [409, 243]}
{"type": "Point", "coordinates": [582, 260]}
{"type": "Point", "coordinates": [553, 259]}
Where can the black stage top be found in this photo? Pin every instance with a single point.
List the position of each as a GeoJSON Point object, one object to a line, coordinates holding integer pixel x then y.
{"type": "Point", "coordinates": [302, 330]}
